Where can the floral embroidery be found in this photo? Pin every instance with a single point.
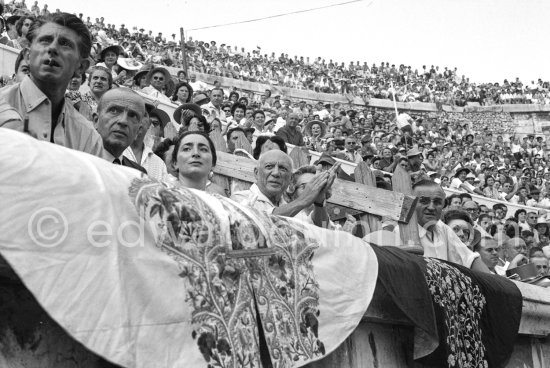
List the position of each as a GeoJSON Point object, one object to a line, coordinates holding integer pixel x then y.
{"type": "Point", "coordinates": [224, 287]}
{"type": "Point", "coordinates": [462, 303]}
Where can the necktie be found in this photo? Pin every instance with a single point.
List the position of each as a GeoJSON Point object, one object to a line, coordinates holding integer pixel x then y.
{"type": "Point", "coordinates": [117, 161]}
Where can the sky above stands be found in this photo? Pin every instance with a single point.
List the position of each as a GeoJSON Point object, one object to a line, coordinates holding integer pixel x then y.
{"type": "Point", "coordinates": [487, 40]}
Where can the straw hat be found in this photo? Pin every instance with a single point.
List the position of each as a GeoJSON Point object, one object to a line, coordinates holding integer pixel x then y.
{"type": "Point", "coordinates": [308, 126]}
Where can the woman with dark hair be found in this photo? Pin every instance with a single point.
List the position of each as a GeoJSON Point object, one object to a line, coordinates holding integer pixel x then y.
{"type": "Point", "coordinates": [521, 216]}
{"type": "Point", "coordinates": [22, 27]}
{"type": "Point", "coordinates": [182, 93]}
{"type": "Point", "coordinates": [453, 202]}
{"type": "Point", "coordinates": [234, 97]}
{"type": "Point", "coordinates": [491, 189]}
{"type": "Point", "coordinates": [266, 143]}
{"type": "Point", "coordinates": [461, 223]}
{"type": "Point", "coordinates": [193, 158]}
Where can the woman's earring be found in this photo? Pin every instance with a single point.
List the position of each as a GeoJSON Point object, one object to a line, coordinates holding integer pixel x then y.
{"type": "Point", "coordinates": [210, 175]}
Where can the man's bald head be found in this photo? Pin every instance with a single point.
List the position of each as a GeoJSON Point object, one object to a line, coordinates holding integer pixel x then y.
{"type": "Point", "coordinates": [120, 115]}
{"type": "Point", "coordinates": [273, 174]}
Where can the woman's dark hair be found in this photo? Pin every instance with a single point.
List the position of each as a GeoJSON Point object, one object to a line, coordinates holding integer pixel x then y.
{"type": "Point", "coordinates": [237, 105]}
{"type": "Point", "coordinates": [489, 177]}
{"type": "Point", "coordinates": [260, 141]}
{"type": "Point", "coordinates": [163, 147]}
{"type": "Point", "coordinates": [450, 198]}
{"type": "Point", "coordinates": [189, 89]}
{"type": "Point", "coordinates": [19, 24]}
{"type": "Point", "coordinates": [205, 135]}
{"type": "Point", "coordinates": [482, 216]}
{"type": "Point", "coordinates": [22, 54]}
{"type": "Point", "coordinates": [457, 215]}
{"type": "Point", "coordinates": [233, 93]}
{"type": "Point", "coordinates": [518, 212]}
{"type": "Point", "coordinates": [70, 21]}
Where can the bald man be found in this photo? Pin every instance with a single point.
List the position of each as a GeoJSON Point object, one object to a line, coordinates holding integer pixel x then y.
{"type": "Point", "coordinates": [273, 174]}
{"type": "Point", "coordinates": [290, 132]}
{"type": "Point", "coordinates": [119, 116]}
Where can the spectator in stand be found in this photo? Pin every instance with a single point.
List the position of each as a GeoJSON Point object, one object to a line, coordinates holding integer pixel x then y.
{"type": "Point", "coordinates": [214, 107]}
{"type": "Point", "coordinates": [289, 133]}
{"type": "Point", "coordinates": [22, 65]}
{"type": "Point", "coordinates": [488, 249]}
{"type": "Point", "coordinates": [108, 59]}
{"type": "Point", "coordinates": [22, 27]}
{"type": "Point", "coordinates": [266, 143]}
{"type": "Point", "coordinates": [119, 118]}
{"type": "Point", "coordinates": [99, 81]}
{"type": "Point", "coordinates": [193, 158]}
{"type": "Point", "coordinates": [143, 155]}
{"type": "Point", "coordinates": [273, 176]}
{"type": "Point", "coordinates": [52, 67]}
{"type": "Point", "coordinates": [182, 94]}
{"type": "Point", "coordinates": [158, 83]}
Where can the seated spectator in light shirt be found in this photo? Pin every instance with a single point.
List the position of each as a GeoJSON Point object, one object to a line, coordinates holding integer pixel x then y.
{"type": "Point", "coordinates": [41, 96]}
{"type": "Point", "coordinates": [459, 182]}
{"type": "Point", "coordinates": [273, 175]}
{"type": "Point", "coordinates": [157, 84]}
{"type": "Point", "coordinates": [143, 155]}
{"type": "Point", "coordinates": [438, 239]}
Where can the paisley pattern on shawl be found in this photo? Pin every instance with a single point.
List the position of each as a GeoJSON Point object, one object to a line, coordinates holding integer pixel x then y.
{"type": "Point", "coordinates": [462, 302]}
{"type": "Point", "coordinates": [225, 282]}
{"type": "Point", "coordinates": [217, 288]}
{"type": "Point", "coordinates": [285, 287]}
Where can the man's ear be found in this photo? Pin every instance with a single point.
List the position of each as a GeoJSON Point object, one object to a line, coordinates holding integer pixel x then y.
{"type": "Point", "coordinates": [256, 174]}
{"type": "Point", "coordinates": [82, 67]}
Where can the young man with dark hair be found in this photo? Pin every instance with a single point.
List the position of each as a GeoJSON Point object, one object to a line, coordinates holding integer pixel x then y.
{"type": "Point", "coordinates": [60, 47]}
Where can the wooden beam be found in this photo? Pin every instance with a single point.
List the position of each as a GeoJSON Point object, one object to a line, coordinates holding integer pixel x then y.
{"type": "Point", "coordinates": [394, 205]}
{"type": "Point", "coordinates": [401, 181]}
{"type": "Point", "coordinates": [364, 175]}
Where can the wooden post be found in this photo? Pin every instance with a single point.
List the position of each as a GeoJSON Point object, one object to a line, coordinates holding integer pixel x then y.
{"type": "Point", "coordinates": [364, 175]}
{"type": "Point", "coordinates": [219, 142]}
{"type": "Point", "coordinates": [299, 157]}
{"type": "Point", "coordinates": [243, 144]}
{"type": "Point", "coordinates": [410, 239]}
{"type": "Point", "coordinates": [221, 146]}
{"type": "Point", "coordinates": [183, 51]}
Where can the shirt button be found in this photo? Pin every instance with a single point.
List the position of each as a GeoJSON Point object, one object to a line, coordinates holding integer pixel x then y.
{"type": "Point", "coordinates": [45, 135]}
{"type": "Point", "coordinates": [46, 102]}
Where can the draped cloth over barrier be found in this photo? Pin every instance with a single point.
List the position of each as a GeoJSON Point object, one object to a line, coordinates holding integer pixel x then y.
{"type": "Point", "coordinates": [148, 275]}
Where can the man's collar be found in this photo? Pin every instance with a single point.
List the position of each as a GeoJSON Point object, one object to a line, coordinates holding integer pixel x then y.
{"type": "Point", "coordinates": [109, 157]}
{"type": "Point", "coordinates": [261, 196]}
{"type": "Point", "coordinates": [33, 95]}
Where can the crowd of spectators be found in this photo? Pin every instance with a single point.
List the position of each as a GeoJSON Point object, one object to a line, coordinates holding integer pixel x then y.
{"type": "Point", "coordinates": [473, 153]}
{"type": "Point", "coordinates": [381, 80]}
